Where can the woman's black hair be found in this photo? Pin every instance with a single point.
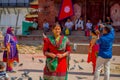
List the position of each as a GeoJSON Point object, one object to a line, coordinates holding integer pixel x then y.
{"type": "Point", "coordinates": [93, 31]}
{"type": "Point", "coordinates": [55, 26]}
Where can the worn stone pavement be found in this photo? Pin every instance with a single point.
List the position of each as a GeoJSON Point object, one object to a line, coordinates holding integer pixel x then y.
{"type": "Point", "coordinates": [36, 68]}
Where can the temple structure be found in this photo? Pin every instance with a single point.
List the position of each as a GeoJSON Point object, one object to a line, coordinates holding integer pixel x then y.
{"type": "Point", "coordinates": [88, 9]}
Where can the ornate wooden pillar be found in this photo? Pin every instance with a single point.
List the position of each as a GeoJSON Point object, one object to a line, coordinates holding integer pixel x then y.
{"type": "Point", "coordinates": [95, 10]}
{"type": "Point", "coordinates": [104, 10]}
{"type": "Point", "coordinates": [85, 11]}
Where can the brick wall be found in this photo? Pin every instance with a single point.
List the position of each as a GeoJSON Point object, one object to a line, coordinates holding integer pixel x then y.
{"type": "Point", "coordinates": [48, 12]}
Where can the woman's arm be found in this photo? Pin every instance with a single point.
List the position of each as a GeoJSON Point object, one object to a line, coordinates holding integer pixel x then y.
{"type": "Point", "coordinates": [48, 54]}
{"type": "Point", "coordinates": [92, 43]}
{"type": "Point", "coordinates": [63, 55]}
{"type": "Point", "coordinates": [46, 47]}
{"type": "Point", "coordinates": [44, 36]}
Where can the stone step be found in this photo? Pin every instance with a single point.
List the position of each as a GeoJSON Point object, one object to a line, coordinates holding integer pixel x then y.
{"type": "Point", "coordinates": [76, 37]}
{"type": "Point", "coordinates": [81, 48]}
{"type": "Point", "coordinates": [74, 33]}
{"type": "Point", "coordinates": [40, 38]}
{"type": "Point", "coordinates": [39, 32]}
{"type": "Point", "coordinates": [73, 39]}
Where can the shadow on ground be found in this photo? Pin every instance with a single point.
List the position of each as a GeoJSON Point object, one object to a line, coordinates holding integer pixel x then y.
{"type": "Point", "coordinates": [73, 73]}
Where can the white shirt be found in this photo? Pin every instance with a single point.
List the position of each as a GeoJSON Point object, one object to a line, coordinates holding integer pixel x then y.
{"type": "Point", "coordinates": [68, 25]}
{"type": "Point", "coordinates": [79, 23]}
{"type": "Point", "coordinates": [89, 25]}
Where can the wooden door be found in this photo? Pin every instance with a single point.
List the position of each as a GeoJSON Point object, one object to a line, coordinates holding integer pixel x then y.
{"type": "Point", "coordinates": [95, 10]}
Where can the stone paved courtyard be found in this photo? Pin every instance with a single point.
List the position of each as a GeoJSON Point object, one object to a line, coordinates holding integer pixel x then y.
{"type": "Point", "coordinates": [36, 67]}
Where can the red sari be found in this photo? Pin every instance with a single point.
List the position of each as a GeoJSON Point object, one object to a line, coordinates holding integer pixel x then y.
{"type": "Point", "coordinates": [93, 55]}
{"type": "Point", "coordinates": [52, 47]}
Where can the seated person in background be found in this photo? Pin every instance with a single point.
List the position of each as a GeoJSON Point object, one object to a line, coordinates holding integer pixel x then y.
{"type": "Point", "coordinates": [68, 25]}
{"type": "Point", "coordinates": [99, 22]}
{"type": "Point", "coordinates": [3, 74]}
{"type": "Point", "coordinates": [89, 25]}
{"type": "Point", "coordinates": [35, 24]}
{"type": "Point", "coordinates": [45, 26]}
{"type": "Point", "coordinates": [79, 23]}
{"type": "Point", "coordinates": [108, 21]}
{"type": "Point", "coordinates": [97, 27]}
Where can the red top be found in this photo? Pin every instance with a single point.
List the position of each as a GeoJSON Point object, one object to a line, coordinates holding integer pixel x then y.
{"type": "Point", "coordinates": [61, 47]}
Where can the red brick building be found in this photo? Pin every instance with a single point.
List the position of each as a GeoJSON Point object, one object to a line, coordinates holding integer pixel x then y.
{"type": "Point", "coordinates": [92, 9]}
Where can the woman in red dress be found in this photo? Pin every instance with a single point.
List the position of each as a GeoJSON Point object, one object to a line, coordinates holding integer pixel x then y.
{"type": "Point", "coordinates": [56, 46]}
{"type": "Point", "coordinates": [93, 50]}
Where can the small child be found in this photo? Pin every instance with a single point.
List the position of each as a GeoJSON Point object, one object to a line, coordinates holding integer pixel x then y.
{"type": "Point", "coordinates": [93, 50]}
{"type": "Point", "coordinates": [3, 74]}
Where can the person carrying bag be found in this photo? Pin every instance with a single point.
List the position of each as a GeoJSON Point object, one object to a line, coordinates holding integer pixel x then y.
{"type": "Point", "coordinates": [56, 48]}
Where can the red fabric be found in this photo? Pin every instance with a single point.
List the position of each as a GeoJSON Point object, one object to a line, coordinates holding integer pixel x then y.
{"type": "Point", "coordinates": [66, 9]}
{"type": "Point", "coordinates": [96, 27]}
{"type": "Point", "coordinates": [34, 6]}
{"type": "Point", "coordinates": [9, 63]}
{"type": "Point", "coordinates": [30, 19]}
{"type": "Point", "coordinates": [62, 63]}
{"type": "Point", "coordinates": [93, 55]}
{"type": "Point", "coordinates": [87, 32]}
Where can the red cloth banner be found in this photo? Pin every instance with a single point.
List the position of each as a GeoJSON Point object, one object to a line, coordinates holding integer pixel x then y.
{"type": "Point", "coordinates": [66, 9]}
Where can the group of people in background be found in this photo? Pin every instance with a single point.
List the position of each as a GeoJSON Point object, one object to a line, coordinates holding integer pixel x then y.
{"type": "Point", "coordinates": [68, 25]}
{"type": "Point", "coordinates": [57, 47]}
{"type": "Point", "coordinates": [99, 52]}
